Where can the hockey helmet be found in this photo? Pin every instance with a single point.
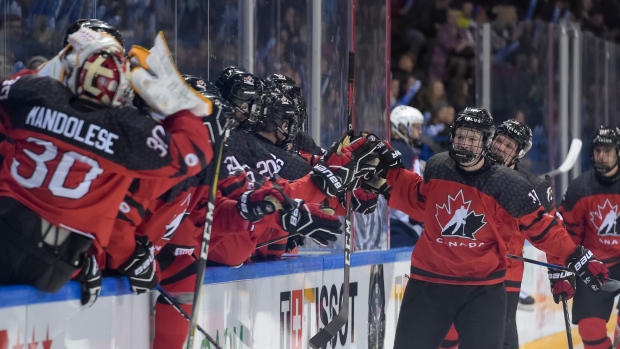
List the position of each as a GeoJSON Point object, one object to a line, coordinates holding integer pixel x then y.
{"type": "Point", "coordinates": [279, 113]}
{"type": "Point", "coordinates": [406, 115]}
{"type": "Point", "coordinates": [605, 136]}
{"type": "Point", "coordinates": [291, 89]}
{"type": "Point", "coordinates": [243, 91]}
{"type": "Point", "coordinates": [476, 120]}
{"type": "Point", "coordinates": [520, 133]}
{"type": "Point", "coordinates": [103, 78]}
{"type": "Point", "coordinates": [223, 114]}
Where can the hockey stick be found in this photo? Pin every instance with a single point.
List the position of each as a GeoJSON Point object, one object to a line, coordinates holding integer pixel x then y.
{"type": "Point", "coordinates": [617, 339]}
{"type": "Point", "coordinates": [328, 332]}
{"type": "Point", "coordinates": [206, 237]}
{"type": "Point", "coordinates": [266, 243]}
{"type": "Point", "coordinates": [178, 308]}
{"type": "Point", "coordinates": [570, 160]}
{"type": "Point", "coordinates": [569, 335]}
{"type": "Point", "coordinates": [610, 285]}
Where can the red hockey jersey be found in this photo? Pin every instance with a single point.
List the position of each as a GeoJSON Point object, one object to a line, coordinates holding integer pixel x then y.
{"type": "Point", "coordinates": [468, 217]}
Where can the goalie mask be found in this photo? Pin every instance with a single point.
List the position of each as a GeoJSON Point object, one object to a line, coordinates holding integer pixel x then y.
{"type": "Point", "coordinates": [243, 91]}
{"type": "Point", "coordinates": [291, 89]}
{"type": "Point", "coordinates": [470, 136]}
{"type": "Point", "coordinates": [511, 142]}
{"type": "Point", "coordinates": [604, 149]}
{"type": "Point", "coordinates": [279, 114]}
{"type": "Point", "coordinates": [222, 115]}
{"type": "Point", "coordinates": [96, 25]}
{"type": "Point", "coordinates": [103, 79]}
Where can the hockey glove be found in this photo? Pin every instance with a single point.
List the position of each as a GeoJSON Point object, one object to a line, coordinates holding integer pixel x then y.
{"type": "Point", "coordinates": [388, 158]}
{"type": "Point", "coordinates": [585, 265]}
{"type": "Point", "coordinates": [562, 282]}
{"type": "Point", "coordinates": [140, 268]}
{"type": "Point", "coordinates": [342, 164]}
{"type": "Point", "coordinates": [377, 185]}
{"type": "Point", "coordinates": [310, 221]}
{"type": "Point", "coordinates": [90, 281]}
{"type": "Point", "coordinates": [253, 205]}
{"type": "Point", "coordinates": [362, 200]}
{"type": "Point", "coordinates": [158, 82]}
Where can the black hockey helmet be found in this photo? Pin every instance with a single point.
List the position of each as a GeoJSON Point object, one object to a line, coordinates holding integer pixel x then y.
{"type": "Point", "coordinates": [280, 113]}
{"type": "Point", "coordinates": [291, 89]}
{"type": "Point", "coordinates": [96, 25]}
{"type": "Point", "coordinates": [518, 132]}
{"type": "Point", "coordinates": [476, 119]}
{"type": "Point", "coordinates": [222, 114]}
{"type": "Point", "coordinates": [243, 91]}
{"type": "Point", "coordinates": [607, 137]}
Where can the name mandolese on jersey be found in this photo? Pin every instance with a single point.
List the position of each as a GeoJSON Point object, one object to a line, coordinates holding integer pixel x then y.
{"type": "Point", "coordinates": [71, 127]}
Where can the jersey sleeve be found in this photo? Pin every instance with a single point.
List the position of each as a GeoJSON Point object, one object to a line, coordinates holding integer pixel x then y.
{"type": "Point", "coordinates": [408, 193]}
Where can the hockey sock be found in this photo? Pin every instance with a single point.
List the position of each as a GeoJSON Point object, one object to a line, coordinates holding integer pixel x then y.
{"type": "Point", "coordinates": [171, 327]}
{"type": "Point", "coordinates": [593, 332]}
{"type": "Point", "coordinates": [452, 339]}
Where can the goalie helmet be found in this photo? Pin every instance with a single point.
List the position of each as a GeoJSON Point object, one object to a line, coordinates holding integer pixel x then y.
{"type": "Point", "coordinates": [243, 91]}
{"type": "Point", "coordinates": [222, 115]}
{"type": "Point", "coordinates": [291, 89]}
{"type": "Point", "coordinates": [605, 136]}
{"type": "Point", "coordinates": [520, 133]}
{"type": "Point", "coordinates": [103, 79]}
{"type": "Point", "coordinates": [96, 25]}
{"type": "Point", "coordinates": [474, 119]}
{"type": "Point", "coordinates": [279, 113]}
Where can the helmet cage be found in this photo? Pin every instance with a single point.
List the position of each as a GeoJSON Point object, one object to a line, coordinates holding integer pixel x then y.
{"type": "Point", "coordinates": [609, 137]}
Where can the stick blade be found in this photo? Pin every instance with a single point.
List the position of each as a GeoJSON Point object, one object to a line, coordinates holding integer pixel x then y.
{"type": "Point", "coordinates": [320, 339]}
{"type": "Point", "coordinates": [570, 160]}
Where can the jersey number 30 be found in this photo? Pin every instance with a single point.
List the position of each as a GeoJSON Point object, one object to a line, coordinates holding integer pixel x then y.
{"type": "Point", "coordinates": [57, 182]}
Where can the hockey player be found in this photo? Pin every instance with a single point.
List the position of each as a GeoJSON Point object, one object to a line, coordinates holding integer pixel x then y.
{"type": "Point", "coordinates": [406, 131]}
{"type": "Point", "coordinates": [76, 150]}
{"type": "Point", "coordinates": [590, 211]}
{"type": "Point", "coordinates": [469, 208]}
{"type": "Point", "coordinates": [511, 142]}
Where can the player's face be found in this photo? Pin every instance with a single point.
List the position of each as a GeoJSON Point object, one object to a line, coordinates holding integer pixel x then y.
{"type": "Point", "coordinates": [504, 147]}
{"type": "Point", "coordinates": [604, 155]}
{"type": "Point", "coordinates": [468, 139]}
{"type": "Point", "coordinates": [415, 130]}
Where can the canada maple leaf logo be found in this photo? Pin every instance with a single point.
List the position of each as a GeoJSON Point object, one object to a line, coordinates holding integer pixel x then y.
{"type": "Point", "coordinates": [604, 219]}
{"type": "Point", "coordinates": [455, 218]}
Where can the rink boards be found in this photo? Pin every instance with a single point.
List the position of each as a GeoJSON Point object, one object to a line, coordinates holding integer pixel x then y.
{"type": "Point", "coordinates": [264, 305]}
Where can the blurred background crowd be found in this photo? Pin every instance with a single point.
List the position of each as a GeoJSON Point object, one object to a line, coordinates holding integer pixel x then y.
{"type": "Point", "coordinates": [434, 46]}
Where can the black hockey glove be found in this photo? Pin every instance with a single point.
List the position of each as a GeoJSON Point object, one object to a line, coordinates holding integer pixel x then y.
{"type": "Point", "coordinates": [585, 265]}
{"type": "Point", "coordinates": [343, 163]}
{"type": "Point", "coordinates": [562, 282]}
{"type": "Point", "coordinates": [388, 158]}
{"type": "Point", "coordinates": [253, 205]}
{"type": "Point", "coordinates": [310, 221]}
{"type": "Point", "coordinates": [140, 268]}
{"type": "Point", "coordinates": [362, 201]}
{"type": "Point", "coordinates": [90, 281]}
{"type": "Point", "coordinates": [377, 185]}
